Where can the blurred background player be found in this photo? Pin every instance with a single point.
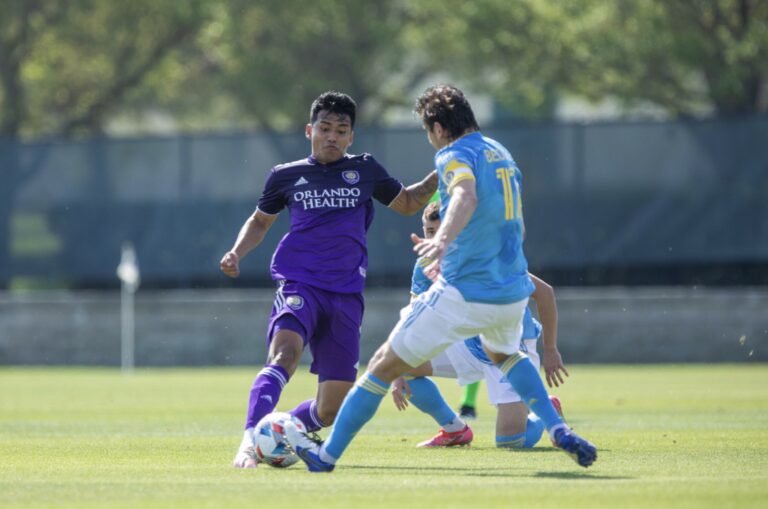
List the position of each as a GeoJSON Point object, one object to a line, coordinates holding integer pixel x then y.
{"type": "Point", "coordinates": [466, 361]}
{"type": "Point", "coordinates": [483, 283]}
{"type": "Point", "coordinates": [468, 406]}
{"type": "Point", "coordinates": [320, 264]}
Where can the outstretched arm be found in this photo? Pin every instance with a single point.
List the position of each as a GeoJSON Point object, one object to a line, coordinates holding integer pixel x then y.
{"type": "Point", "coordinates": [544, 295]}
{"type": "Point", "coordinates": [460, 209]}
{"type": "Point", "coordinates": [250, 236]}
{"type": "Point", "coordinates": [412, 198]}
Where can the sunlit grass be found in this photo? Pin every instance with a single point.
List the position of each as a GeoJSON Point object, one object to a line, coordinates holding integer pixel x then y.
{"type": "Point", "coordinates": [669, 436]}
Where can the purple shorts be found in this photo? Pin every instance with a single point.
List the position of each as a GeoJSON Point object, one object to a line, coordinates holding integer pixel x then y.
{"type": "Point", "coordinates": [331, 323]}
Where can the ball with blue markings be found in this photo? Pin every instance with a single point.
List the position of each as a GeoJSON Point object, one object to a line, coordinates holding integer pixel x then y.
{"type": "Point", "coordinates": [269, 436]}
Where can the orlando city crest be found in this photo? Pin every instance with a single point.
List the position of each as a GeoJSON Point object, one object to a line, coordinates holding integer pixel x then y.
{"type": "Point", "coordinates": [350, 176]}
{"type": "Point", "coordinates": [294, 302]}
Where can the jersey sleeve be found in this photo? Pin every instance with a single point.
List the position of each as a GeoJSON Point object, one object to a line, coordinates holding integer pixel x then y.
{"type": "Point", "coordinates": [457, 165]}
{"type": "Point", "coordinates": [420, 283]}
{"type": "Point", "coordinates": [385, 188]}
{"type": "Point", "coordinates": [272, 199]}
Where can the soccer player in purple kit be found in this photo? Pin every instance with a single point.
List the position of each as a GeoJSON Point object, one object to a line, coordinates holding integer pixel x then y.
{"type": "Point", "coordinates": [320, 264]}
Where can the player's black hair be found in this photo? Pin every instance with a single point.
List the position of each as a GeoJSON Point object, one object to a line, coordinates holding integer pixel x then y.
{"type": "Point", "coordinates": [333, 102]}
{"type": "Point", "coordinates": [432, 211]}
{"type": "Point", "coordinates": [446, 104]}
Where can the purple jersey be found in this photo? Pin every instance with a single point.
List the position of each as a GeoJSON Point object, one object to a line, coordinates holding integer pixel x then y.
{"type": "Point", "coordinates": [331, 210]}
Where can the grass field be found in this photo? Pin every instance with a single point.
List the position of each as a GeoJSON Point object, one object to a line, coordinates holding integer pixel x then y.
{"type": "Point", "coordinates": [669, 436]}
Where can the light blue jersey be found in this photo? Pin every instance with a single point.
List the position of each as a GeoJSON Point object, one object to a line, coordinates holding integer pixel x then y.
{"type": "Point", "coordinates": [486, 261]}
{"type": "Point", "coordinates": [420, 283]}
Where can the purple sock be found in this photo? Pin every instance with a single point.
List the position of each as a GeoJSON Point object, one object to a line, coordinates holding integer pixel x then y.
{"type": "Point", "coordinates": [306, 412]}
{"type": "Point", "coordinates": [265, 393]}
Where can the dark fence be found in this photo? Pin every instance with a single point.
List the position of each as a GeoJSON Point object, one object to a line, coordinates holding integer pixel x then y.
{"type": "Point", "coordinates": [604, 203]}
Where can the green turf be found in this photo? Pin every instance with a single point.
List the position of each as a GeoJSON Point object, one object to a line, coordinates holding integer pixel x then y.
{"type": "Point", "coordinates": [669, 436]}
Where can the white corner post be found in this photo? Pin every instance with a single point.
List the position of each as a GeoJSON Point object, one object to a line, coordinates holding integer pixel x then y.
{"type": "Point", "coordinates": [128, 272]}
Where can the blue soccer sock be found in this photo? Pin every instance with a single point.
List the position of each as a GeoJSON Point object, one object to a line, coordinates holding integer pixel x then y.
{"type": "Point", "coordinates": [511, 441]}
{"type": "Point", "coordinates": [525, 379]}
{"type": "Point", "coordinates": [533, 430]}
{"type": "Point", "coordinates": [358, 408]}
{"type": "Point", "coordinates": [426, 397]}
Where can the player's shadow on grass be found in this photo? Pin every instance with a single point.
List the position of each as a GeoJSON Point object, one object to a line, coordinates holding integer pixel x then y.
{"type": "Point", "coordinates": [501, 472]}
{"type": "Point", "coordinates": [580, 475]}
{"type": "Point", "coordinates": [535, 450]}
{"type": "Point", "coordinates": [419, 468]}
{"type": "Point", "coordinates": [498, 472]}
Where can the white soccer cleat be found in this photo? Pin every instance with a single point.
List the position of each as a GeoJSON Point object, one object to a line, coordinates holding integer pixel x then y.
{"type": "Point", "coordinates": [246, 453]}
{"type": "Point", "coordinates": [245, 459]}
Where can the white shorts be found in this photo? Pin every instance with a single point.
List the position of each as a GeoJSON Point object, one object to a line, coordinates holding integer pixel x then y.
{"type": "Point", "coordinates": [440, 317]}
{"type": "Point", "coordinates": [457, 361]}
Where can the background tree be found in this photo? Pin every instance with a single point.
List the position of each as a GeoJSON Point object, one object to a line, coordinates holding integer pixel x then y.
{"type": "Point", "coordinates": [260, 64]}
{"type": "Point", "coordinates": [66, 66]}
{"type": "Point", "coordinates": [687, 57]}
{"type": "Point", "coordinates": [524, 53]}
{"type": "Point", "coordinates": [282, 53]}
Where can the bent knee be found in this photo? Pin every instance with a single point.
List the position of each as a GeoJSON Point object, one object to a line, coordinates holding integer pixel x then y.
{"type": "Point", "coordinates": [386, 365]}
{"type": "Point", "coordinates": [377, 357]}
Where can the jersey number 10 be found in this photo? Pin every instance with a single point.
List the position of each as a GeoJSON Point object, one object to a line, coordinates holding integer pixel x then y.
{"type": "Point", "coordinates": [513, 205]}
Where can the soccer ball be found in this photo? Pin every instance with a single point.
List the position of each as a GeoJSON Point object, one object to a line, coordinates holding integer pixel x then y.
{"type": "Point", "coordinates": [269, 438]}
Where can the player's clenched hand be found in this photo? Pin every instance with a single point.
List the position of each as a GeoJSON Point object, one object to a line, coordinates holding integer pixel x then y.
{"type": "Point", "coordinates": [553, 367]}
{"type": "Point", "coordinates": [400, 393]}
{"type": "Point", "coordinates": [230, 264]}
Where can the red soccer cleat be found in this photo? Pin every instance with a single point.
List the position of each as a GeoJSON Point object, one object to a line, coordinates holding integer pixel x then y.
{"type": "Point", "coordinates": [445, 439]}
{"type": "Point", "coordinates": [558, 406]}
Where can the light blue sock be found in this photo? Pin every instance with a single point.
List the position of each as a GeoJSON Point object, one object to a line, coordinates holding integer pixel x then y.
{"type": "Point", "coordinates": [510, 441]}
{"type": "Point", "coordinates": [533, 431]}
{"type": "Point", "coordinates": [426, 397]}
{"type": "Point", "coordinates": [525, 379]}
{"type": "Point", "coordinates": [358, 408]}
